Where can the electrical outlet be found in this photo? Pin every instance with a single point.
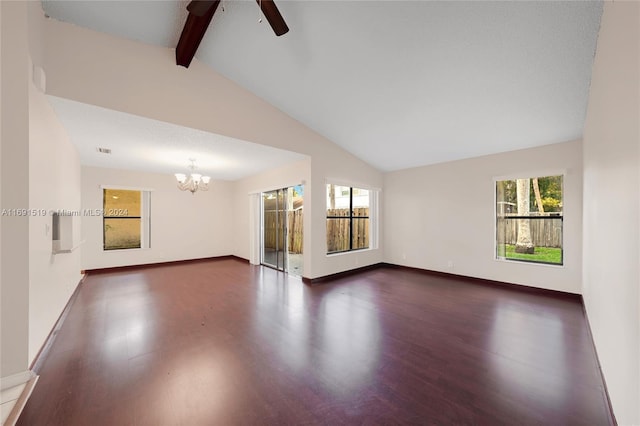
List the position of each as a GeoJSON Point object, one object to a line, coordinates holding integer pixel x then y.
{"type": "Point", "coordinates": [450, 264]}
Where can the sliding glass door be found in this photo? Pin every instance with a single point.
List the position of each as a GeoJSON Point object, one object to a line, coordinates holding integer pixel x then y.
{"type": "Point", "coordinates": [274, 229]}
{"type": "Point", "coordinates": [281, 246]}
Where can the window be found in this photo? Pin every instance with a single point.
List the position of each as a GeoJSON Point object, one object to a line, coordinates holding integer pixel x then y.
{"type": "Point", "coordinates": [125, 219]}
{"type": "Point", "coordinates": [529, 220]}
{"type": "Point", "coordinates": [347, 218]}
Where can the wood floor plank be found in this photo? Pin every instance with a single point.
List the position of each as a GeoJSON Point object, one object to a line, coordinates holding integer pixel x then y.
{"type": "Point", "coordinates": [224, 342]}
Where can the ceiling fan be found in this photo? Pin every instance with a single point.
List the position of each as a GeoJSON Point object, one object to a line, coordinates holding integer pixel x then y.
{"type": "Point", "coordinates": [200, 15]}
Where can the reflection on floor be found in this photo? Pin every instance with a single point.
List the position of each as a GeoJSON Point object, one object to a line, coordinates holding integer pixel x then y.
{"type": "Point", "coordinates": [295, 265]}
{"type": "Point", "coordinates": [227, 343]}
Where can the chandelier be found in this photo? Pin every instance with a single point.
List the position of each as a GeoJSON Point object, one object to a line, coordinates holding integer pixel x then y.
{"type": "Point", "coordinates": [194, 181]}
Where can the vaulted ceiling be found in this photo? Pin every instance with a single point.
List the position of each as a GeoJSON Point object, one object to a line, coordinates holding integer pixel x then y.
{"type": "Point", "coordinates": [397, 83]}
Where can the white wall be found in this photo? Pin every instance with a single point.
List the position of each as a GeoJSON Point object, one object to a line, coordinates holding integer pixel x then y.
{"type": "Point", "coordinates": [41, 170]}
{"type": "Point", "coordinates": [128, 76]}
{"type": "Point", "coordinates": [183, 225]}
{"type": "Point", "coordinates": [611, 206]}
{"type": "Point", "coordinates": [14, 153]}
{"type": "Point", "coordinates": [445, 212]}
{"type": "Point", "coordinates": [54, 183]}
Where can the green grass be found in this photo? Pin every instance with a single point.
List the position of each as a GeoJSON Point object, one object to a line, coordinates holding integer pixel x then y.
{"type": "Point", "coordinates": [541, 254]}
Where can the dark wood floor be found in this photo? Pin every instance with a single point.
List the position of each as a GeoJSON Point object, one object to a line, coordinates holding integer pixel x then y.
{"type": "Point", "coordinates": [225, 343]}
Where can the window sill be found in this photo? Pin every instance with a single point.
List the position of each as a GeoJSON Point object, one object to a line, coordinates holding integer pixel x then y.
{"type": "Point", "coordinates": [126, 250]}
{"type": "Point", "coordinates": [342, 253]}
{"type": "Point", "coordinates": [524, 262]}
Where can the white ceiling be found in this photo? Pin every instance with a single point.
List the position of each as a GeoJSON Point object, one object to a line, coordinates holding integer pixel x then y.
{"type": "Point", "coordinates": [143, 144]}
{"type": "Point", "coordinates": [397, 83]}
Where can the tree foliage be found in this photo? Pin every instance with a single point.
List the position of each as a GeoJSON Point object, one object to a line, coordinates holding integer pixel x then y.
{"type": "Point", "coordinates": [550, 192]}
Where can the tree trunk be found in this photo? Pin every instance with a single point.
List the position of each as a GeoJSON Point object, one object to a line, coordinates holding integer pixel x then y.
{"type": "Point", "coordinates": [332, 197]}
{"type": "Point", "coordinates": [524, 243]}
{"type": "Point", "coordinates": [536, 191]}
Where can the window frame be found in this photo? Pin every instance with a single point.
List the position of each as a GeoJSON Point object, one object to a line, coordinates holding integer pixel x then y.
{"type": "Point", "coordinates": [373, 196]}
{"type": "Point", "coordinates": [145, 217]}
{"type": "Point", "coordinates": [537, 174]}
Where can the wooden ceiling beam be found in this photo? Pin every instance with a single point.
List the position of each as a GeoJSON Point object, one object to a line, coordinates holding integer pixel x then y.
{"type": "Point", "coordinates": [194, 29]}
{"type": "Point", "coordinates": [275, 19]}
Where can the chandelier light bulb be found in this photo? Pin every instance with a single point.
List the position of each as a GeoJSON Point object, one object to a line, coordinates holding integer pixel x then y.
{"type": "Point", "coordinates": [194, 182]}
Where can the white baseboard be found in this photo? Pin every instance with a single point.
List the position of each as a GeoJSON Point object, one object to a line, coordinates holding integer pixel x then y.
{"type": "Point", "coordinates": [16, 379]}
{"type": "Point", "coordinates": [18, 405]}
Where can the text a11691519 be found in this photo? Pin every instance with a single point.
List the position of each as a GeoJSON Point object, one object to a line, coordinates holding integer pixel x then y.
{"type": "Point", "coordinates": [64, 212]}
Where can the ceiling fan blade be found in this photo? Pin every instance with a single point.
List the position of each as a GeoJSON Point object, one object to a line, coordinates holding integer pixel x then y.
{"type": "Point", "coordinates": [274, 17]}
{"type": "Point", "coordinates": [192, 33]}
{"type": "Point", "coordinates": [200, 7]}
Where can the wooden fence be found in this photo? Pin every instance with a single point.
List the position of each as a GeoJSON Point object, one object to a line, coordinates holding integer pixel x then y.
{"type": "Point", "coordinates": [338, 229]}
{"type": "Point", "coordinates": [545, 232]}
{"type": "Point", "coordinates": [295, 231]}
{"type": "Point", "coordinates": [294, 223]}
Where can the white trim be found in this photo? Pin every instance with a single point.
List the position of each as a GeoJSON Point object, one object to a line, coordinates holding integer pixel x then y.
{"type": "Point", "coordinates": [145, 219]}
{"type": "Point", "coordinates": [348, 252]}
{"type": "Point", "coordinates": [126, 188]}
{"type": "Point", "coordinates": [18, 405]}
{"type": "Point", "coordinates": [532, 174]}
{"type": "Point", "coordinates": [374, 218]}
{"type": "Point", "coordinates": [546, 173]}
{"type": "Point", "coordinates": [255, 221]}
{"type": "Point", "coordinates": [125, 250]}
{"type": "Point", "coordinates": [520, 262]}
{"type": "Point", "coordinates": [494, 190]}
{"type": "Point", "coordinates": [352, 184]}
{"type": "Point", "coordinates": [274, 188]}
{"type": "Point", "coordinates": [16, 379]}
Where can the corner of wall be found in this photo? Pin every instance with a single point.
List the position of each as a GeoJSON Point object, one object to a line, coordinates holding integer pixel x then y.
{"type": "Point", "coordinates": [611, 248]}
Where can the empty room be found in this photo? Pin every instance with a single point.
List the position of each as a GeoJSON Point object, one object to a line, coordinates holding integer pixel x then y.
{"type": "Point", "coordinates": [236, 212]}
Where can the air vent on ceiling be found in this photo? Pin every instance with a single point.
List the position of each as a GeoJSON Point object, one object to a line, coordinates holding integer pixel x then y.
{"type": "Point", "coordinates": [104, 150]}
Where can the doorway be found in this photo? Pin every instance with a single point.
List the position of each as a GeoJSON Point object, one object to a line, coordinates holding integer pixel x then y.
{"type": "Point", "coordinates": [281, 236]}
